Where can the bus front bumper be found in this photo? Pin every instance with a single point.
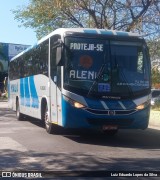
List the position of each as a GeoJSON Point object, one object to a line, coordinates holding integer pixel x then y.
{"type": "Point", "coordinates": [83, 118]}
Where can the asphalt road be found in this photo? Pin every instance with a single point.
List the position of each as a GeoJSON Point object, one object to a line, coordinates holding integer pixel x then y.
{"type": "Point", "coordinates": [25, 145]}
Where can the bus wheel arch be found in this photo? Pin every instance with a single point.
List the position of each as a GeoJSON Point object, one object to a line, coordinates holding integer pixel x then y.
{"type": "Point", "coordinates": [45, 116]}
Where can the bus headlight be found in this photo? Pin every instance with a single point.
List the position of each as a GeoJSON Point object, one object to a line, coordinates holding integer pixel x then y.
{"type": "Point", "coordinates": [142, 106]}
{"type": "Point", "coordinates": [74, 103]}
{"type": "Point", "coordinates": [78, 105]}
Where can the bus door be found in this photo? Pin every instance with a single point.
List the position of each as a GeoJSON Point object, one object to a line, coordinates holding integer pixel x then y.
{"type": "Point", "coordinates": [59, 95]}
{"type": "Point", "coordinates": [55, 77]}
{"type": "Point", "coordinates": [53, 86]}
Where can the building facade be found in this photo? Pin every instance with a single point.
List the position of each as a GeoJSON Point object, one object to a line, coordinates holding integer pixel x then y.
{"type": "Point", "coordinates": [7, 52]}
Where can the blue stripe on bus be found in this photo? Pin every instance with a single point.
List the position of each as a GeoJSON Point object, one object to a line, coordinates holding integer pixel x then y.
{"type": "Point", "coordinates": [94, 104]}
{"type": "Point", "coordinates": [129, 104]}
{"type": "Point", "coordinates": [34, 95]}
{"type": "Point", "coordinates": [122, 33]}
{"type": "Point", "coordinates": [91, 31]}
{"type": "Point", "coordinates": [22, 92]}
{"type": "Point", "coordinates": [107, 32]}
{"type": "Point", "coordinates": [113, 104]}
{"type": "Point", "coordinates": [27, 94]}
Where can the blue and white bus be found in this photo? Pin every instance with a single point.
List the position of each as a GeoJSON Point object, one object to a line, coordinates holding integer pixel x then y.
{"type": "Point", "coordinates": [83, 78]}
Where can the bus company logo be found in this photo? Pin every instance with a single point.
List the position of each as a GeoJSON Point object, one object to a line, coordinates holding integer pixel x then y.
{"type": "Point", "coordinates": [86, 61]}
{"type": "Point", "coordinates": [112, 113]}
{"type": "Point", "coordinates": [14, 87]}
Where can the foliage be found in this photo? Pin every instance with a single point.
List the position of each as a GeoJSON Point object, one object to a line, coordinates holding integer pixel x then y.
{"type": "Point", "coordinates": [155, 77]}
{"type": "Point", "coordinates": [129, 15]}
{"type": "Point", "coordinates": [157, 85]}
{"type": "Point", "coordinates": [154, 48]}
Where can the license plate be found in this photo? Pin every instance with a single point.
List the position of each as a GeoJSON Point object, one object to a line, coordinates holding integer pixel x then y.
{"type": "Point", "coordinates": [110, 127]}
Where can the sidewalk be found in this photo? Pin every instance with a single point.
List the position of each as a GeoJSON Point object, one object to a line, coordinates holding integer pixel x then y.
{"type": "Point", "coordinates": [154, 121]}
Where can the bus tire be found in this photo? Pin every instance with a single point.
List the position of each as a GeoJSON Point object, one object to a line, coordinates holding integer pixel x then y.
{"type": "Point", "coordinates": [48, 125]}
{"type": "Point", "coordinates": [18, 114]}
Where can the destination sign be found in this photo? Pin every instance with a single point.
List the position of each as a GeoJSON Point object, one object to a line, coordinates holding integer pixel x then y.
{"type": "Point", "coordinates": [86, 47]}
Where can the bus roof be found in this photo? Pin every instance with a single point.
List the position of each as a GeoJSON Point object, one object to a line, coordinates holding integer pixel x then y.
{"type": "Point", "coordinates": [90, 31]}
{"type": "Point", "coordinates": [95, 31]}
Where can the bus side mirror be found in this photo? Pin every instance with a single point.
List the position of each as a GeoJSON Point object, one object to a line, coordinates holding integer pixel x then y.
{"type": "Point", "coordinates": [59, 53]}
{"type": "Point", "coordinates": [59, 56]}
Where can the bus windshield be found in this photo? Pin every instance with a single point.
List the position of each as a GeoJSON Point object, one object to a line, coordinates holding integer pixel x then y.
{"type": "Point", "coordinates": [103, 68]}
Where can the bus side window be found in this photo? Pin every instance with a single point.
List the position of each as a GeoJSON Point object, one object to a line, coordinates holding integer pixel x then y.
{"type": "Point", "coordinates": [53, 51]}
{"type": "Point", "coordinates": [21, 67]}
{"type": "Point", "coordinates": [15, 76]}
{"type": "Point", "coordinates": [43, 63]}
{"type": "Point", "coordinates": [140, 62]}
{"type": "Point", "coordinates": [24, 71]}
{"type": "Point", "coordinates": [36, 60]}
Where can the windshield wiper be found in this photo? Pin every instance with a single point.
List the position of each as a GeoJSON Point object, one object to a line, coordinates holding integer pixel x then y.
{"type": "Point", "coordinates": [97, 78]}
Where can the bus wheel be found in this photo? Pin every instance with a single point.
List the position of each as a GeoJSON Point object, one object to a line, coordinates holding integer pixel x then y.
{"type": "Point", "coordinates": [18, 114]}
{"type": "Point", "coordinates": [48, 124]}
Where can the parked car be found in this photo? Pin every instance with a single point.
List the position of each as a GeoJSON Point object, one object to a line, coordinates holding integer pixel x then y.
{"type": "Point", "coordinates": [155, 96]}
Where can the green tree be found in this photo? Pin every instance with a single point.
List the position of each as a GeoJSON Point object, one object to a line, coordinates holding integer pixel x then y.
{"type": "Point", "coordinates": [129, 15]}
{"type": "Point", "coordinates": [154, 47]}
{"type": "Point", "coordinates": [155, 77]}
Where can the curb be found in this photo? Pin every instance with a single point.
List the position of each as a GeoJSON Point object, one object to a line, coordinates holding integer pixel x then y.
{"type": "Point", "coordinates": [153, 127]}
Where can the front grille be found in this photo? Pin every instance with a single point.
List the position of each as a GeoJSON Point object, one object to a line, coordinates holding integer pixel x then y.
{"type": "Point", "coordinates": [110, 112]}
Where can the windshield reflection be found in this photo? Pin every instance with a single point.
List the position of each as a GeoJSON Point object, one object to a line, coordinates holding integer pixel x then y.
{"type": "Point", "coordinates": [102, 68]}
